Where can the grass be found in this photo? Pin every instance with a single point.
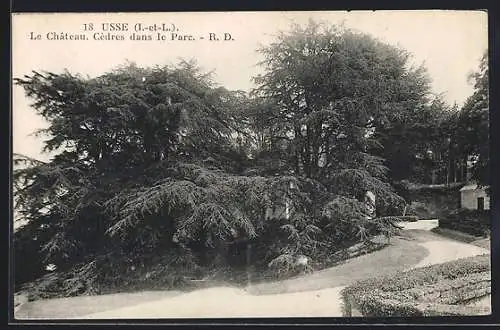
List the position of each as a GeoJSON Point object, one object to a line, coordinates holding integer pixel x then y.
{"type": "Point", "coordinates": [399, 255]}
{"type": "Point", "coordinates": [464, 237]}
{"type": "Point", "coordinates": [484, 243]}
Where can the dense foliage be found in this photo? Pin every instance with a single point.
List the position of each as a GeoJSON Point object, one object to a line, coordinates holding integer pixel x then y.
{"type": "Point", "coordinates": [161, 168]}
{"type": "Point", "coordinates": [473, 126]}
{"type": "Point", "coordinates": [454, 144]}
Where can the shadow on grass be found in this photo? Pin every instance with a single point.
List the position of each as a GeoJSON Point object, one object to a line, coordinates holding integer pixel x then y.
{"type": "Point", "coordinates": [463, 237]}
{"type": "Point", "coordinates": [401, 254]}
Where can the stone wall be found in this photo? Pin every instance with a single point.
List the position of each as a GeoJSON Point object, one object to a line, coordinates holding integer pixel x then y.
{"type": "Point", "coordinates": [433, 202]}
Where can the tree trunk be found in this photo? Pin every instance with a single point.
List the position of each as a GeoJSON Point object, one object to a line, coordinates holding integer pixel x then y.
{"type": "Point", "coordinates": [448, 173]}
{"type": "Point", "coordinates": [465, 170]}
{"type": "Point", "coordinates": [454, 171]}
{"type": "Point", "coordinates": [249, 252]}
{"type": "Point", "coordinates": [297, 150]}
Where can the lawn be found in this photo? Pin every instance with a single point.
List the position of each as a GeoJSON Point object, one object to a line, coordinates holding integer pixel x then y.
{"type": "Point", "coordinates": [401, 254]}
{"type": "Point", "coordinates": [463, 237]}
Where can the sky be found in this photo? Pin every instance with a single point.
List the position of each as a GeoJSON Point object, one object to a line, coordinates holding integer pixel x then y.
{"type": "Point", "coordinates": [449, 43]}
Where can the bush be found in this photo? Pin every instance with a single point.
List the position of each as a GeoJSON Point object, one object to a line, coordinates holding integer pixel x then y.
{"type": "Point", "coordinates": [59, 284]}
{"type": "Point", "coordinates": [473, 222]}
{"type": "Point", "coordinates": [433, 290]}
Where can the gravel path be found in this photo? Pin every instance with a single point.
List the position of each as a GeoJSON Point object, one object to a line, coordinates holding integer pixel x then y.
{"type": "Point", "coordinates": [77, 307]}
{"type": "Point", "coordinates": [448, 251]}
{"type": "Point", "coordinates": [227, 302]}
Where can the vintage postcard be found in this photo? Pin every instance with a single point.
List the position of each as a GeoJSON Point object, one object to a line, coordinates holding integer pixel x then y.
{"type": "Point", "coordinates": [250, 164]}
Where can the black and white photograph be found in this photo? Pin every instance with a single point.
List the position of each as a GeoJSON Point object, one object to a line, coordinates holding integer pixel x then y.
{"type": "Point", "coordinates": [221, 165]}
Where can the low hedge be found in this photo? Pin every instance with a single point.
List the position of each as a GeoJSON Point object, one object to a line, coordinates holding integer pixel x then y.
{"type": "Point", "coordinates": [440, 289]}
{"type": "Point", "coordinates": [400, 218]}
{"type": "Point", "coordinates": [473, 222]}
{"type": "Point", "coordinates": [438, 188]}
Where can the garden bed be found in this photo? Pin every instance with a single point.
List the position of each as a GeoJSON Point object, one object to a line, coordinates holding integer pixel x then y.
{"type": "Point", "coordinates": [443, 289]}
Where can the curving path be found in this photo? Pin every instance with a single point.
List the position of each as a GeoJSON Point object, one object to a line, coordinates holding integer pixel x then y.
{"type": "Point", "coordinates": [315, 295]}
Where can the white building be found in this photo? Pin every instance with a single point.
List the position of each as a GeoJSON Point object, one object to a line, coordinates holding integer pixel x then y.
{"type": "Point", "coordinates": [473, 197]}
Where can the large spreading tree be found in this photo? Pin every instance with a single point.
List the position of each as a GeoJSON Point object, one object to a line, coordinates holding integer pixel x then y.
{"type": "Point", "coordinates": [340, 106]}
{"type": "Point", "coordinates": [138, 155]}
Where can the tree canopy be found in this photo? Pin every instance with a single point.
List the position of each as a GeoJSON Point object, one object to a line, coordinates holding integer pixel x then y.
{"type": "Point", "coordinates": [473, 125]}
{"type": "Point", "coordinates": [138, 147]}
{"type": "Point", "coordinates": [338, 99]}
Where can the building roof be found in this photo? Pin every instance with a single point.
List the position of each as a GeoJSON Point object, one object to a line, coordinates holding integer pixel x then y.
{"type": "Point", "coordinates": [472, 187]}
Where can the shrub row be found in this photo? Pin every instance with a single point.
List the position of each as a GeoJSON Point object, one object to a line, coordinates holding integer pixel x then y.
{"type": "Point", "coordinates": [438, 188]}
{"type": "Point", "coordinates": [452, 291]}
{"type": "Point", "coordinates": [423, 291]}
{"type": "Point", "coordinates": [473, 222]}
{"type": "Point", "coordinates": [406, 218]}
